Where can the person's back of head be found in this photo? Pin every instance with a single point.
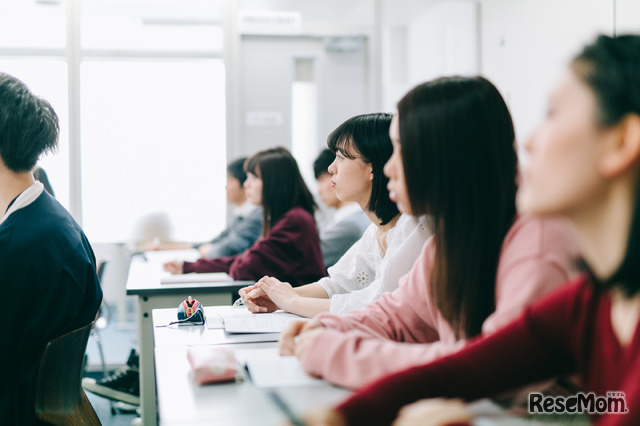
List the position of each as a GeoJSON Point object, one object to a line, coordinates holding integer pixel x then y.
{"type": "Point", "coordinates": [28, 125]}
{"type": "Point", "coordinates": [236, 169]}
{"type": "Point", "coordinates": [283, 187]}
{"type": "Point", "coordinates": [322, 162]}
{"type": "Point", "coordinates": [460, 166]}
{"type": "Point", "coordinates": [367, 136]}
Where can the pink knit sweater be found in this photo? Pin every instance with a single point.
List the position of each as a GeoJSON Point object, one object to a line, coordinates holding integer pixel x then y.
{"type": "Point", "coordinates": [404, 328]}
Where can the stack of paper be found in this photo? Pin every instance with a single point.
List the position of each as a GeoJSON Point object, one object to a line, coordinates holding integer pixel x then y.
{"type": "Point", "coordinates": [211, 277]}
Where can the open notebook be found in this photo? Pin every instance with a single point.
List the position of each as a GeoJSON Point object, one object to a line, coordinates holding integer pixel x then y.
{"type": "Point", "coordinates": [238, 320]}
{"type": "Point", "coordinates": [212, 277]}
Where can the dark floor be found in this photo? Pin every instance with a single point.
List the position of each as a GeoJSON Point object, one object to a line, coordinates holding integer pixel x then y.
{"type": "Point", "coordinates": [103, 410]}
{"type": "Point", "coordinates": [117, 341]}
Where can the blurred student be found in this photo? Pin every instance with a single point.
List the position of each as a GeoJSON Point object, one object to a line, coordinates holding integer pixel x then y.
{"type": "Point", "coordinates": [47, 267]}
{"type": "Point", "coordinates": [454, 159]}
{"type": "Point", "coordinates": [289, 245]}
{"type": "Point", "coordinates": [349, 220]}
{"type": "Point", "coordinates": [386, 251]}
{"type": "Point", "coordinates": [244, 229]}
{"type": "Point", "coordinates": [585, 165]}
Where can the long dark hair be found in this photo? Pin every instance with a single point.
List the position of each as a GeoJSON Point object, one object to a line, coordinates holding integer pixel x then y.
{"type": "Point", "coordinates": [283, 187]}
{"type": "Point", "coordinates": [367, 135]}
{"type": "Point", "coordinates": [610, 67]}
{"type": "Point", "coordinates": [457, 143]}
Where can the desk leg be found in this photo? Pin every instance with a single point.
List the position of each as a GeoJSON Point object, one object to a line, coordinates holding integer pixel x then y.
{"type": "Point", "coordinates": [146, 304]}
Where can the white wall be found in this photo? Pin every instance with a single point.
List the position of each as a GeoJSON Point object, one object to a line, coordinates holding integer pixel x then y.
{"type": "Point", "coordinates": [426, 40]}
{"type": "Point", "coordinates": [266, 74]}
{"type": "Point", "coordinates": [526, 44]}
{"type": "Point", "coordinates": [627, 16]}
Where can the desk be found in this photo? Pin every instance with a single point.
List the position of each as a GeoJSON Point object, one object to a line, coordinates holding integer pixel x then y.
{"type": "Point", "coordinates": [144, 282]}
{"type": "Point", "coordinates": [182, 401]}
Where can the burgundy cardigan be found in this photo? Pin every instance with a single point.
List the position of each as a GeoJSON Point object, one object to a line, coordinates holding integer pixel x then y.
{"type": "Point", "coordinates": [290, 252]}
{"type": "Point", "coordinates": [568, 332]}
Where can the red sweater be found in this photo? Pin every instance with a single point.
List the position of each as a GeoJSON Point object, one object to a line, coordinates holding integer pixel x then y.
{"type": "Point", "coordinates": [567, 332]}
{"type": "Point", "coordinates": [290, 252]}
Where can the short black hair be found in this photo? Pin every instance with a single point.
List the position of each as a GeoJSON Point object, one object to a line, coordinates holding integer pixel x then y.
{"type": "Point", "coordinates": [236, 169]}
{"type": "Point", "coordinates": [283, 187]}
{"type": "Point", "coordinates": [322, 162]}
{"type": "Point", "coordinates": [367, 135]}
{"type": "Point", "coordinates": [28, 125]}
{"type": "Point", "coordinates": [610, 67]}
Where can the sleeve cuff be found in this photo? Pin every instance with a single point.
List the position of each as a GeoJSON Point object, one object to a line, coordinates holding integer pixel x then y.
{"type": "Point", "coordinates": [188, 267]}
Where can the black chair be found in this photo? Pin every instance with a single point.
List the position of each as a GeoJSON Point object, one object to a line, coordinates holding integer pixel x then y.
{"type": "Point", "coordinates": [60, 399]}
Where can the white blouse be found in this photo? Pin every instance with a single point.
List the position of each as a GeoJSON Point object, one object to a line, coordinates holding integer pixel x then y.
{"type": "Point", "coordinates": [362, 275]}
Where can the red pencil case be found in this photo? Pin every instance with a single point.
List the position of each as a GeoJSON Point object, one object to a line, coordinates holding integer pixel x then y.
{"type": "Point", "coordinates": [211, 364]}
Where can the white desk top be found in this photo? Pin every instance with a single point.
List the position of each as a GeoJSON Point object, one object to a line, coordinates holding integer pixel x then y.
{"type": "Point", "coordinates": [198, 335]}
{"type": "Point", "coordinates": [182, 401]}
{"type": "Point", "coordinates": [146, 270]}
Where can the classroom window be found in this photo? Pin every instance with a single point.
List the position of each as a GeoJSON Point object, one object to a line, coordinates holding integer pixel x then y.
{"type": "Point", "coordinates": [151, 85]}
{"type": "Point", "coordinates": [153, 143]}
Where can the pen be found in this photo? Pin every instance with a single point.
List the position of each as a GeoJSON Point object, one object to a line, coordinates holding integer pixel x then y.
{"type": "Point", "coordinates": [293, 419]}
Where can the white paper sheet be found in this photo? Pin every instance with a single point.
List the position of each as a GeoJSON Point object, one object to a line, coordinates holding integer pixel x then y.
{"type": "Point", "coordinates": [163, 256]}
{"type": "Point", "coordinates": [268, 369]}
{"type": "Point", "coordinates": [210, 277]}
{"type": "Point", "coordinates": [273, 322]}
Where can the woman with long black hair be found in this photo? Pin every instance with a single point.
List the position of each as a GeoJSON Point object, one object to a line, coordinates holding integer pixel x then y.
{"type": "Point", "coordinates": [289, 246]}
{"type": "Point", "coordinates": [585, 165]}
{"type": "Point", "coordinates": [454, 160]}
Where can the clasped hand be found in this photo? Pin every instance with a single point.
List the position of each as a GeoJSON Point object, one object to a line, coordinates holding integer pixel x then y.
{"type": "Point", "coordinates": [267, 295]}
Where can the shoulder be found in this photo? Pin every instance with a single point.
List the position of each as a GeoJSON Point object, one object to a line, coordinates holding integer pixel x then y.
{"type": "Point", "coordinates": [410, 230]}
{"type": "Point", "coordinates": [540, 236]}
{"type": "Point", "coordinates": [45, 230]}
{"type": "Point", "coordinates": [255, 215]}
{"type": "Point", "coordinates": [349, 227]}
{"type": "Point", "coordinates": [44, 216]}
{"type": "Point", "coordinates": [358, 219]}
{"type": "Point", "coordinates": [297, 216]}
{"type": "Point", "coordinates": [408, 224]}
{"type": "Point", "coordinates": [575, 299]}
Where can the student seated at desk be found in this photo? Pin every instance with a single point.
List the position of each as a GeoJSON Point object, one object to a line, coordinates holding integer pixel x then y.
{"type": "Point", "coordinates": [349, 221]}
{"type": "Point", "coordinates": [47, 267]}
{"type": "Point", "coordinates": [244, 229]}
{"type": "Point", "coordinates": [386, 251]}
{"type": "Point", "coordinates": [454, 159]}
{"type": "Point", "coordinates": [584, 164]}
{"type": "Point", "coordinates": [289, 245]}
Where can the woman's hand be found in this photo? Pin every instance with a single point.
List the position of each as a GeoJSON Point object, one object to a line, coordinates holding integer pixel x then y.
{"type": "Point", "coordinates": [434, 412]}
{"type": "Point", "coordinates": [256, 300]}
{"type": "Point", "coordinates": [281, 294]}
{"type": "Point", "coordinates": [325, 416]}
{"type": "Point", "coordinates": [204, 250]}
{"type": "Point", "coordinates": [174, 266]}
{"type": "Point", "coordinates": [293, 335]}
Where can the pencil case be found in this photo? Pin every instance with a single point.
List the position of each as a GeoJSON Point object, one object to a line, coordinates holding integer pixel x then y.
{"type": "Point", "coordinates": [212, 364]}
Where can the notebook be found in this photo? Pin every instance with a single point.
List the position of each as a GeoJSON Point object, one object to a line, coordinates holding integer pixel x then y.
{"type": "Point", "coordinates": [196, 278]}
{"type": "Point", "coordinates": [258, 323]}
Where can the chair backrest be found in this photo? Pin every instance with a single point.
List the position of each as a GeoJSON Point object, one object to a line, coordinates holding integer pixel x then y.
{"type": "Point", "coordinates": [100, 269]}
{"type": "Point", "coordinates": [60, 398]}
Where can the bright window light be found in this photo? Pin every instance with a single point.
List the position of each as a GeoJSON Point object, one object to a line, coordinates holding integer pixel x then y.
{"type": "Point", "coordinates": [153, 144]}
